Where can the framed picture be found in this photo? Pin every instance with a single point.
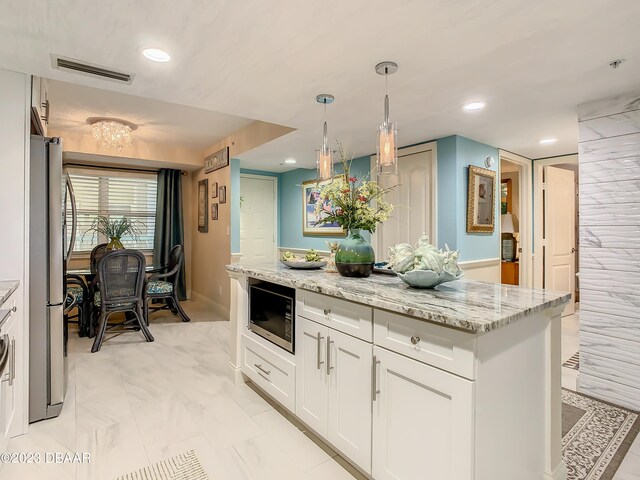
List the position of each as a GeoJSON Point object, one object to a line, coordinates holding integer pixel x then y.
{"type": "Point", "coordinates": [481, 194]}
{"type": "Point", "coordinates": [203, 201]}
{"type": "Point", "coordinates": [217, 160]}
{"type": "Point", "coordinates": [214, 190]}
{"type": "Point", "coordinates": [505, 196]}
{"type": "Point", "coordinates": [222, 194]}
{"type": "Point", "coordinates": [214, 211]}
{"type": "Point", "coordinates": [310, 197]}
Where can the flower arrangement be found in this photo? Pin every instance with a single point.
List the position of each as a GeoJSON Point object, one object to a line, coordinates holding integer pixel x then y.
{"type": "Point", "coordinates": [115, 229]}
{"type": "Point", "coordinates": [357, 204]}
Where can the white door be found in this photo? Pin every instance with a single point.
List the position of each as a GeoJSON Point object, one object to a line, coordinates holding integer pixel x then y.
{"type": "Point", "coordinates": [560, 233]}
{"type": "Point", "coordinates": [412, 200]}
{"type": "Point", "coordinates": [422, 421]}
{"type": "Point", "coordinates": [258, 209]}
{"type": "Point", "coordinates": [312, 385]}
{"type": "Point", "coordinates": [349, 363]}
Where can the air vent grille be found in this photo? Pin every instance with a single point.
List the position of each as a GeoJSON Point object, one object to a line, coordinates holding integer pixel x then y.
{"type": "Point", "coordinates": [86, 68]}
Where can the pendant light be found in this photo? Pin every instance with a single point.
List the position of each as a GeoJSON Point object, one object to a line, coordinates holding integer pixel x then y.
{"type": "Point", "coordinates": [325, 155]}
{"type": "Point", "coordinates": [387, 148]}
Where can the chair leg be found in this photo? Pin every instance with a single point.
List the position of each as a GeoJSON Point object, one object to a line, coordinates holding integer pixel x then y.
{"type": "Point", "coordinates": [146, 311]}
{"type": "Point", "coordinates": [102, 328]}
{"type": "Point", "coordinates": [181, 313]}
{"type": "Point", "coordinates": [143, 324]}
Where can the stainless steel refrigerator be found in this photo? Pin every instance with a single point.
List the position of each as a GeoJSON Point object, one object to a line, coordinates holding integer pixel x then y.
{"type": "Point", "coordinates": [49, 249]}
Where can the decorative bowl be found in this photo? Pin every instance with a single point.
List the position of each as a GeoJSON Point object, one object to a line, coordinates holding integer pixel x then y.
{"type": "Point", "coordinates": [427, 278]}
{"type": "Point", "coordinates": [304, 265]}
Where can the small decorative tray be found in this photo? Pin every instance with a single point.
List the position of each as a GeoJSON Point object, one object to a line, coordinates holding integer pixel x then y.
{"type": "Point", "coordinates": [303, 265]}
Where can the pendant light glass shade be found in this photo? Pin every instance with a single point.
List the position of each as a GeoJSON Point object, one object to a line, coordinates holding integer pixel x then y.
{"type": "Point", "coordinates": [387, 147]}
{"type": "Point", "coordinates": [324, 162]}
{"type": "Point", "coordinates": [325, 159]}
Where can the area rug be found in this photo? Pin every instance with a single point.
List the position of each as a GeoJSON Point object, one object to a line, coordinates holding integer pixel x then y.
{"type": "Point", "coordinates": [595, 436]}
{"type": "Point", "coordinates": [185, 466]}
{"type": "Point", "coordinates": [573, 362]}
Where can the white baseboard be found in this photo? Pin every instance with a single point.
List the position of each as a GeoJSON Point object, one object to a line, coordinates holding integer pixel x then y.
{"type": "Point", "coordinates": [235, 258]}
{"type": "Point", "coordinates": [487, 270]}
{"type": "Point", "coordinates": [216, 307]}
{"type": "Point", "coordinates": [560, 473]}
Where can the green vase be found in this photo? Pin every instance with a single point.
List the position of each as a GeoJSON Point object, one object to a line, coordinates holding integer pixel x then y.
{"type": "Point", "coordinates": [355, 257]}
{"type": "Point", "coordinates": [115, 244]}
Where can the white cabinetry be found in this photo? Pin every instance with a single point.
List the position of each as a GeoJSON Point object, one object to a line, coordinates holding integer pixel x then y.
{"type": "Point", "coordinates": [422, 421]}
{"type": "Point", "coordinates": [12, 336]}
{"type": "Point", "coordinates": [40, 101]}
{"type": "Point", "coordinates": [333, 388]}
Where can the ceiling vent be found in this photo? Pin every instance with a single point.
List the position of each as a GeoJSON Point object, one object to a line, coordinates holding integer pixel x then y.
{"type": "Point", "coordinates": [90, 69]}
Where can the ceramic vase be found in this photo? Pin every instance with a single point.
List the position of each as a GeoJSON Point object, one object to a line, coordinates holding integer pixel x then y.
{"type": "Point", "coordinates": [355, 256]}
{"type": "Point", "coordinates": [114, 244]}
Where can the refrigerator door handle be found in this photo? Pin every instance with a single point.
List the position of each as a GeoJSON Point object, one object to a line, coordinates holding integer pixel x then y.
{"type": "Point", "coordinates": [56, 222]}
{"type": "Point", "coordinates": [4, 356]}
{"type": "Point", "coordinates": [74, 219]}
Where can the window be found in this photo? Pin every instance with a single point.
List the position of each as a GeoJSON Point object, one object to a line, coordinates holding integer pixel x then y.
{"type": "Point", "coordinates": [113, 194]}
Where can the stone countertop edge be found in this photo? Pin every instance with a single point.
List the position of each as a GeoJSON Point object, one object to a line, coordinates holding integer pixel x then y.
{"type": "Point", "coordinates": [7, 287]}
{"type": "Point", "coordinates": [470, 305]}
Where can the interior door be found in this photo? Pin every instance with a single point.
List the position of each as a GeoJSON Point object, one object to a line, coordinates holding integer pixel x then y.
{"type": "Point", "coordinates": [257, 219]}
{"type": "Point", "coordinates": [411, 198]}
{"type": "Point", "coordinates": [560, 233]}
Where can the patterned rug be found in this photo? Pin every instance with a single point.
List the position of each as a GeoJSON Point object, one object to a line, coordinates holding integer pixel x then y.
{"type": "Point", "coordinates": [573, 362]}
{"type": "Point", "coordinates": [595, 436]}
{"type": "Point", "coordinates": [185, 466]}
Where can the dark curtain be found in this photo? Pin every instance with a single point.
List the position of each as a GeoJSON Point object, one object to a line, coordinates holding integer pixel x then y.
{"type": "Point", "coordinates": [169, 222]}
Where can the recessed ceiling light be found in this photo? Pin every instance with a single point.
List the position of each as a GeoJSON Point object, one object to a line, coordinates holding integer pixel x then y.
{"type": "Point", "coordinates": [472, 106]}
{"type": "Point", "coordinates": [290, 161]}
{"type": "Point", "coordinates": [547, 141]}
{"type": "Point", "coordinates": [156, 55]}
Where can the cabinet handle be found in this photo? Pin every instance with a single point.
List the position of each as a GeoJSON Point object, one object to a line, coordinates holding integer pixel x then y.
{"type": "Point", "coordinates": [327, 311]}
{"type": "Point", "coordinates": [329, 367]}
{"type": "Point", "coordinates": [259, 367]}
{"type": "Point", "coordinates": [415, 340]}
{"type": "Point", "coordinates": [319, 351]}
{"type": "Point", "coordinates": [14, 309]}
{"type": "Point", "coordinates": [12, 366]}
{"type": "Point", "coordinates": [374, 379]}
{"type": "Point", "coordinates": [45, 117]}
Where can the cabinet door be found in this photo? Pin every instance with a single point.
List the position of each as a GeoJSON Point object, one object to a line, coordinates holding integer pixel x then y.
{"type": "Point", "coordinates": [311, 376]}
{"type": "Point", "coordinates": [349, 363]}
{"type": "Point", "coordinates": [422, 421]}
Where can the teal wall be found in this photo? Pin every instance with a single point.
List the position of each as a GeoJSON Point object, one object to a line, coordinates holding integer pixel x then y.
{"type": "Point", "coordinates": [447, 192]}
{"type": "Point", "coordinates": [290, 214]}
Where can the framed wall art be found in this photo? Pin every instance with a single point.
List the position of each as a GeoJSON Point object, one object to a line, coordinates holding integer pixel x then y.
{"type": "Point", "coordinates": [203, 201]}
{"type": "Point", "coordinates": [222, 194]}
{"type": "Point", "coordinates": [310, 197]}
{"type": "Point", "coordinates": [214, 211]}
{"type": "Point", "coordinates": [214, 190]}
{"type": "Point", "coordinates": [481, 194]}
{"type": "Point", "coordinates": [217, 160]}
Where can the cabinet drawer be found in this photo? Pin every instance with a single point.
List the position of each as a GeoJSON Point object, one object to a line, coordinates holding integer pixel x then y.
{"type": "Point", "coordinates": [342, 315]}
{"type": "Point", "coordinates": [445, 348]}
{"type": "Point", "coordinates": [270, 371]}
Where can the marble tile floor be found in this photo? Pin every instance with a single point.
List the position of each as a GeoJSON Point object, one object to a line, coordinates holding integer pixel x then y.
{"type": "Point", "coordinates": [630, 467]}
{"type": "Point", "coordinates": [135, 403]}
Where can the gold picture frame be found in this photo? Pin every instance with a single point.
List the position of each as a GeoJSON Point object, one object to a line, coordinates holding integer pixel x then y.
{"type": "Point", "coordinates": [481, 199]}
{"type": "Point", "coordinates": [310, 195]}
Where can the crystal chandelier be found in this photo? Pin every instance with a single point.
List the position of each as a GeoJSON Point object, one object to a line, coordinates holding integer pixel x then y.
{"type": "Point", "coordinates": [325, 155]}
{"type": "Point", "coordinates": [112, 132]}
{"type": "Point", "coordinates": [387, 148]}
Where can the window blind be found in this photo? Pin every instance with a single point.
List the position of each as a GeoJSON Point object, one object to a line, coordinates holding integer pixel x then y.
{"type": "Point", "coordinates": [113, 194]}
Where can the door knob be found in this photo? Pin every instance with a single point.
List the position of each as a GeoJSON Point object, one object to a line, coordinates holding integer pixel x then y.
{"type": "Point", "coordinates": [415, 340]}
{"type": "Point", "coordinates": [327, 311]}
{"type": "Point", "coordinates": [573, 250]}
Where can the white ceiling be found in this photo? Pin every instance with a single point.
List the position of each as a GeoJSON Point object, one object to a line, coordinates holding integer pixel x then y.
{"type": "Point", "coordinates": [532, 61]}
{"type": "Point", "coordinates": [158, 122]}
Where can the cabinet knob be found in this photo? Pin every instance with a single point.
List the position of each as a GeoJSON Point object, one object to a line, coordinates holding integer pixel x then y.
{"type": "Point", "coordinates": [14, 309]}
{"type": "Point", "coordinates": [415, 340]}
{"type": "Point", "coordinates": [327, 311]}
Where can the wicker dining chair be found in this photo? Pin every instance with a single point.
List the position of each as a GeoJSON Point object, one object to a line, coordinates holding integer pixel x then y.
{"type": "Point", "coordinates": [164, 286]}
{"type": "Point", "coordinates": [77, 298]}
{"type": "Point", "coordinates": [121, 288]}
{"type": "Point", "coordinates": [96, 254]}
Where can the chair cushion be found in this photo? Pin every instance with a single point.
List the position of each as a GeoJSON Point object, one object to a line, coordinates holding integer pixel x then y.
{"type": "Point", "coordinates": [156, 287]}
{"type": "Point", "coordinates": [76, 291]}
{"type": "Point", "coordinates": [97, 301]}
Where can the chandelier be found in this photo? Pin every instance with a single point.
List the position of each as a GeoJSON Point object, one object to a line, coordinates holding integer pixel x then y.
{"type": "Point", "coordinates": [387, 148]}
{"type": "Point", "coordinates": [112, 132]}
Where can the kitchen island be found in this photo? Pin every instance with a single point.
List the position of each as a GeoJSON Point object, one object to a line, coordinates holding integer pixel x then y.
{"type": "Point", "coordinates": [459, 382]}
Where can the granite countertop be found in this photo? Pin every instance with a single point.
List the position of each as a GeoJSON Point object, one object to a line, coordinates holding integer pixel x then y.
{"type": "Point", "coordinates": [466, 304]}
{"type": "Point", "coordinates": [7, 287]}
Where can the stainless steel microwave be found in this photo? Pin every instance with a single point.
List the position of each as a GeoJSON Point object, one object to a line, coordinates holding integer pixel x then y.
{"type": "Point", "coordinates": [272, 312]}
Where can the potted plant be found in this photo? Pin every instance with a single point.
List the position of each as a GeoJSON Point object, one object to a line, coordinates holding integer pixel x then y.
{"type": "Point", "coordinates": [356, 204]}
{"type": "Point", "coordinates": [115, 229]}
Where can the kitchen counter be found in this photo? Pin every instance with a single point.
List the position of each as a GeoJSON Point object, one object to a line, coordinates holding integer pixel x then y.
{"type": "Point", "coordinates": [466, 304]}
{"type": "Point", "coordinates": [7, 287]}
